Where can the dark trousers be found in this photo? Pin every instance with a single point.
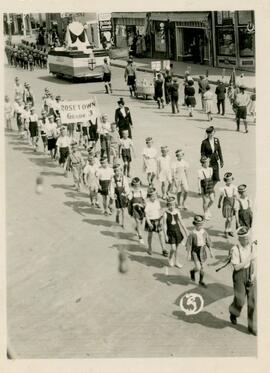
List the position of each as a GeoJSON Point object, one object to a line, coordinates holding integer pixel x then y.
{"type": "Point", "coordinates": [174, 101]}
{"type": "Point", "coordinates": [222, 104]}
{"type": "Point", "coordinates": [241, 291]}
{"type": "Point", "coordinates": [105, 146]}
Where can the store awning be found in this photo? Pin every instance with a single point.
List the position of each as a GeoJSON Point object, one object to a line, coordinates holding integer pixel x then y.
{"type": "Point", "coordinates": [180, 16]}
{"type": "Point", "coordinates": [128, 15]}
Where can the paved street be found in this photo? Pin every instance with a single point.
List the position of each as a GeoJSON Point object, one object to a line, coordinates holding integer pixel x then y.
{"type": "Point", "coordinates": [65, 297]}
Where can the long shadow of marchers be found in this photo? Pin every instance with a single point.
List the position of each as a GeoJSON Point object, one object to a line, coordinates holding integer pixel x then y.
{"type": "Point", "coordinates": [211, 294]}
{"type": "Point", "coordinates": [220, 259]}
{"type": "Point", "coordinates": [100, 222]}
{"type": "Point", "coordinates": [208, 320]}
{"type": "Point", "coordinates": [120, 235]}
{"type": "Point", "coordinates": [81, 207]}
{"type": "Point", "coordinates": [48, 173]}
{"type": "Point", "coordinates": [24, 149]}
{"type": "Point", "coordinates": [172, 279]}
{"type": "Point", "coordinates": [148, 261]}
{"type": "Point", "coordinates": [220, 245]}
{"type": "Point", "coordinates": [43, 162]}
{"type": "Point", "coordinates": [53, 79]}
{"type": "Point", "coordinates": [62, 186]}
{"type": "Point", "coordinates": [129, 247]}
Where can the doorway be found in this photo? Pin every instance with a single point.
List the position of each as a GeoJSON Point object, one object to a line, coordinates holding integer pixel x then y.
{"type": "Point", "coordinates": [193, 45]}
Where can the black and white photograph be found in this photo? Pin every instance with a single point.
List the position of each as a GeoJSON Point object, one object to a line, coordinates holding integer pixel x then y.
{"type": "Point", "coordinates": [130, 184]}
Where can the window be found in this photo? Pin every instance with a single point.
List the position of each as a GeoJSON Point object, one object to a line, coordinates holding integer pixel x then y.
{"type": "Point", "coordinates": [246, 42]}
{"type": "Point", "coordinates": [244, 17]}
{"type": "Point", "coordinates": [225, 18]}
{"type": "Point", "coordinates": [225, 41]}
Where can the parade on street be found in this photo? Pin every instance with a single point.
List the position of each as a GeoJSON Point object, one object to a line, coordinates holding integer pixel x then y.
{"type": "Point", "coordinates": [130, 187]}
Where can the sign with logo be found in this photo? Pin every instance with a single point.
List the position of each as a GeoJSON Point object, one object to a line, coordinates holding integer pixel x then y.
{"type": "Point", "coordinates": [191, 303]}
{"type": "Point", "coordinates": [91, 63]}
{"type": "Point", "coordinates": [78, 111]}
{"type": "Point", "coordinates": [156, 65]}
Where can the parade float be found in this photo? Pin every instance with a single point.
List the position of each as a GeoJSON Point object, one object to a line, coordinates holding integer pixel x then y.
{"type": "Point", "coordinates": [77, 59]}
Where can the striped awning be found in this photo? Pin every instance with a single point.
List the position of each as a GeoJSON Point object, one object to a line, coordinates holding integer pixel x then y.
{"type": "Point", "coordinates": [128, 15]}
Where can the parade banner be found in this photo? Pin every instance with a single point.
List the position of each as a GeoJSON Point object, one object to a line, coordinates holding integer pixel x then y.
{"type": "Point", "coordinates": [156, 65]}
{"type": "Point", "coordinates": [78, 111]}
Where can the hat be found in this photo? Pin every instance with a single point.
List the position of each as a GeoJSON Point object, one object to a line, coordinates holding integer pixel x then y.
{"type": "Point", "coordinates": [201, 76]}
{"type": "Point", "coordinates": [148, 139]}
{"type": "Point", "coordinates": [58, 97]}
{"type": "Point", "coordinates": [170, 200]}
{"type": "Point", "coordinates": [121, 101]}
{"type": "Point", "coordinates": [174, 79]}
{"type": "Point", "coordinates": [62, 128]}
{"type": "Point", "coordinates": [74, 143]}
{"type": "Point", "coordinates": [51, 116]}
{"type": "Point", "coordinates": [116, 166]}
{"type": "Point", "coordinates": [165, 147]}
{"type": "Point", "coordinates": [135, 181]}
{"type": "Point", "coordinates": [242, 188]}
{"type": "Point", "coordinates": [43, 112]}
{"type": "Point", "coordinates": [190, 82]}
{"type": "Point", "coordinates": [151, 191]}
{"type": "Point", "coordinates": [242, 86]}
{"type": "Point", "coordinates": [103, 159]}
{"type": "Point", "coordinates": [198, 219]}
{"type": "Point", "coordinates": [210, 129]}
{"type": "Point", "coordinates": [242, 231]}
{"type": "Point", "coordinates": [203, 159]}
{"type": "Point", "coordinates": [227, 176]}
{"type": "Point", "coordinates": [178, 151]}
{"type": "Point", "coordinates": [16, 78]}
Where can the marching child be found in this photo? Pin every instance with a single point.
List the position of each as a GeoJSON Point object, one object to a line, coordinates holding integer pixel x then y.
{"type": "Point", "coordinates": [243, 208]}
{"type": "Point", "coordinates": [90, 179]}
{"type": "Point", "coordinates": [196, 244]}
{"type": "Point", "coordinates": [228, 194]}
{"type": "Point", "coordinates": [33, 128]}
{"type": "Point", "coordinates": [206, 186]}
{"type": "Point", "coordinates": [180, 178]}
{"type": "Point", "coordinates": [114, 144]}
{"type": "Point", "coordinates": [51, 132]}
{"type": "Point", "coordinates": [153, 221]}
{"type": "Point", "coordinates": [8, 113]}
{"type": "Point", "coordinates": [85, 129]}
{"type": "Point", "coordinates": [164, 171]}
{"type": "Point", "coordinates": [119, 192]}
{"type": "Point", "coordinates": [136, 205]}
{"type": "Point", "coordinates": [174, 231]}
{"type": "Point", "coordinates": [74, 164]}
{"type": "Point", "coordinates": [26, 119]}
{"type": "Point", "coordinates": [126, 146]}
{"type": "Point", "coordinates": [105, 175]}
{"type": "Point", "coordinates": [63, 146]}
{"type": "Point", "coordinates": [42, 124]}
{"type": "Point", "coordinates": [150, 161]}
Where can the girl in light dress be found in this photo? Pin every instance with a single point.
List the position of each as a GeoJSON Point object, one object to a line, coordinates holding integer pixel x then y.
{"type": "Point", "coordinates": [150, 161]}
{"type": "Point", "coordinates": [208, 103]}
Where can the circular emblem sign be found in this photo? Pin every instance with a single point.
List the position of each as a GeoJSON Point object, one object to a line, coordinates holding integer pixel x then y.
{"type": "Point", "coordinates": [191, 303]}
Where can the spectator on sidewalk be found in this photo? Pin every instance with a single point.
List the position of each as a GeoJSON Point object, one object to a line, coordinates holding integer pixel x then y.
{"type": "Point", "coordinates": [130, 76]}
{"type": "Point", "coordinates": [203, 83]}
{"type": "Point", "coordinates": [168, 82]}
{"type": "Point", "coordinates": [190, 100]}
{"type": "Point", "coordinates": [159, 90]}
{"type": "Point", "coordinates": [123, 118]}
{"type": "Point", "coordinates": [220, 92]}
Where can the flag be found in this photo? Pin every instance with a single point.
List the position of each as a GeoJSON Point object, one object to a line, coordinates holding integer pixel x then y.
{"type": "Point", "coordinates": [232, 78]}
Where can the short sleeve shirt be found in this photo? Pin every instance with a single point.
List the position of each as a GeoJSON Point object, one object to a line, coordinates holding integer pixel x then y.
{"type": "Point", "coordinates": [63, 141]}
{"type": "Point", "coordinates": [153, 210]}
{"type": "Point", "coordinates": [239, 254]}
{"type": "Point", "coordinates": [126, 143]}
{"type": "Point", "coordinates": [180, 168]}
{"type": "Point", "coordinates": [105, 173]}
{"type": "Point", "coordinates": [205, 173]}
{"type": "Point", "coordinates": [150, 152]}
{"type": "Point", "coordinates": [228, 191]}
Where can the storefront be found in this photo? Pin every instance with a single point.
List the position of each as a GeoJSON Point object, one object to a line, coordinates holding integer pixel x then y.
{"type": "Point", "coordinates": [127, 26]}
{"type": "Point", "coordinates": [235, 39]}
{"type": "Point", "coordinates": [193, 37]}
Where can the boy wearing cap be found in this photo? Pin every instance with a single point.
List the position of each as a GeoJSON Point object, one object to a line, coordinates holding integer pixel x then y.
{"type": "Point", "coordinates": [74, 163]}
{"type": "Point", "coordinates": [243, 208]}
{"type": "Point", "coordinates": [196, 244]}
{"type": "Point", "coordinates": [90, 179]}
{"type": "Point", "coordinates": [243, 257]}
{"type": "Point", "coordinates": [180, 178]}
{"type": "Point", "coordinates": [105, 175]}
{"type": "Point", "coordinates": [242, 101]}
{"type": "Point", "coordinates": [150, 160]}
{"type": "Point", "coordinates": [136, 206]}
{"type": "Point", "coordinates": [174, 231]}
{"type": "Point", "coordinates": [228, 195]}
{"type": "Point", "coordinates": [206, 187]}
{"type": "Point", "coordinates": [153, 217]}
{"type": "Point", "coordinates": [119, 192]}
{"type": "Point", "coordinates": [164, 172]}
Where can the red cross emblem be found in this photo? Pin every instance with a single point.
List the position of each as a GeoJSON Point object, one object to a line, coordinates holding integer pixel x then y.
{"type": "Point", "coordinates": [91, 63]}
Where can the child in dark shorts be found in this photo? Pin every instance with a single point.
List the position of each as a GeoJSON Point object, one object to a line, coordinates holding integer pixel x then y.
{"type": "Point", "coordinates": [153, 220]}
{"type": "Point", "coordinates": [126, 147]}
{"type": "Point", "coordinates": [119, 192]}
{"type": "Point", "coordinates": [174, 231]}
{"type": "Point", "coordinates": [136, 205]}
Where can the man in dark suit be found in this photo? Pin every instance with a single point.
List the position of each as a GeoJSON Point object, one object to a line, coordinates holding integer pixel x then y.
{"type": "Point", "coordinates": [211, 149]}
{"type": "Point", "coordinates": [123, 118]}
{"type": "Point", "coordinates": [220, 92]}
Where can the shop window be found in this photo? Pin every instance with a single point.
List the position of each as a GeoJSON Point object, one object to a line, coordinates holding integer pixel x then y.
{"type": "Point", "coordinates": [225, 18]}
{"type": "Point", "coordinates": [246, 42]}
{"type": "Point", "coordinates": [160, 44]}
{"type": "Point", "coordinates": [225, 42]}
{"type": "Point", "coordinates": [245, 17]}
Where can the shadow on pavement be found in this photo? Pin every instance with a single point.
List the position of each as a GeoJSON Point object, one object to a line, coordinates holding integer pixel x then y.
{"type": "Point", "coordinates": [220, 259]}
{"type": "Point", "coordinates": [120, 235]}
{"type": "Point", "coordinates": [148, 261]}
{"type": "Point", "coordinates": [80, 207]}
{"type": "Point", "coordinates": [222, 245]}
{"type": "Point", "coordinates": [130, 248]}
{"type": "Point", "coordinates": [62, 186]}
{"type": "Point", "coordinates": [100, 222]}
{"type": "Point", "coordinates": [211, 294]}
{"type": "Point", "coordinates": [172, 279]}
{"type": "Point", "coordinates": [48, 173]}
{"type": "Point", "coordinates": [53, 79]}
{"type": "Point", "coordinates": [205, 318]}
{"type": "Point", "coordinates": [43, 162]}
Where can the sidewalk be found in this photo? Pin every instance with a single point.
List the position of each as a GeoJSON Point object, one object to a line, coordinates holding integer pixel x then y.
{"type": "Point", "coordinates": [179, 68]}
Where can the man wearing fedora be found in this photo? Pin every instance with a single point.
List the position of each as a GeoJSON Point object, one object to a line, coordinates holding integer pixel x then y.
{"type": "Point", "coordinates": [123, 118]}
{"type": "Point", "coordinates": [242, 101]}
{"type": "Point", "coordinates": [211, 149]}
{"type": "Point", "coordinates": [243, 258]}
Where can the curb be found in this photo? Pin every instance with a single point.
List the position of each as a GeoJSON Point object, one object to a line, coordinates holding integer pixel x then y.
{"type": "Point", "coordinates": [148, 70]}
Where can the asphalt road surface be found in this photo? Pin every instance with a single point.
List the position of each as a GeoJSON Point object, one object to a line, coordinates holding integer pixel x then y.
{"type": "Point", "coordinates": [65, 296]}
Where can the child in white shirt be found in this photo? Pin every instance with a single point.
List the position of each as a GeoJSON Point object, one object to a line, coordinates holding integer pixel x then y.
{"type": "Point", "coordinates": [164, 171]}
{"type": "Point", "coordinates": [90, 179]}
{"type": "Point", "coordinates": [206, 186]}
{"type": "Point", "coordinates": [180, 178]}
{"type": "Point", "coordinates": [150, 160]}
{"type": "Point", "coordinates": [126, 148]}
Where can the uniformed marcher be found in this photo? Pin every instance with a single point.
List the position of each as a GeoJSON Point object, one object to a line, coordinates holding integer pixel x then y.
{"type": "Point", "coordinates": [244, 281]}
